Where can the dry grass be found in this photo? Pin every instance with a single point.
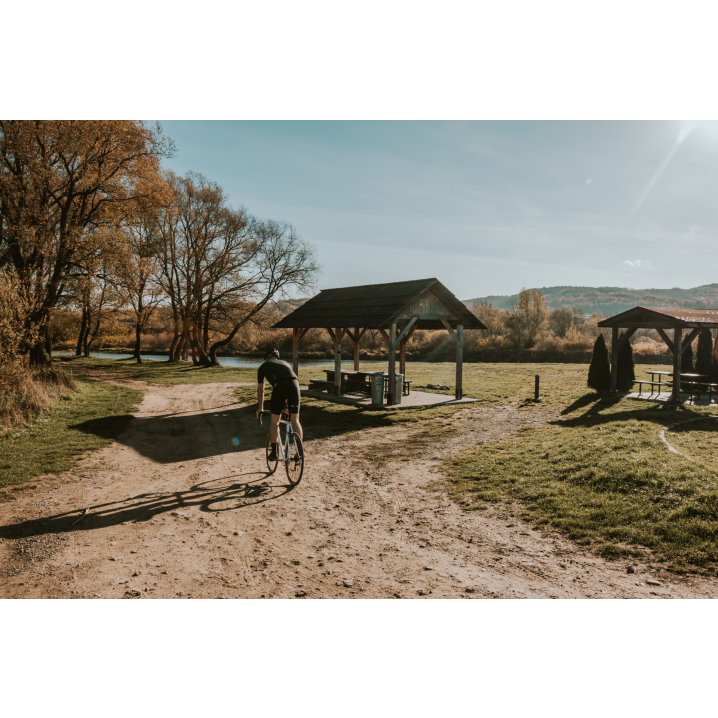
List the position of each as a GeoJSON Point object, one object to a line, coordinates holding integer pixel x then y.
{"type": "Point", "coordinates": [30, 394]}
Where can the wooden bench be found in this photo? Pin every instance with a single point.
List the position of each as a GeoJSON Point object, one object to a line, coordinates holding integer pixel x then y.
{"type": "Point", "coordinates": [659, 384]}
{"type": "Point", "coordinates": [699, 385]}
{"type": "Point", "coordinates": [320, 385]}
{"type": "Point", "coordinates": [407, 387]}
{"type": "Point", "coordinates": [356, 386]}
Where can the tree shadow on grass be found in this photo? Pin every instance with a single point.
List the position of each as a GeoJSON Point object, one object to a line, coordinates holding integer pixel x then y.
{"type": "Point", "coordinates": [180, 437]}
{"type": "Point", "coordinates": [229, 493]}
{"type": "Point", "coordinates": [582, 401]}
{"type": "Point", "coordinates": [661, 413]}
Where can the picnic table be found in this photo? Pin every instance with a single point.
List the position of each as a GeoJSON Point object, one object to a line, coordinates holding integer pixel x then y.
{"type": "Point", "coordinates": [352, 382]}
{"type": "Point", "coordinates": [357, 382]}
{"type": "Point", "coordinates": [695, 381]}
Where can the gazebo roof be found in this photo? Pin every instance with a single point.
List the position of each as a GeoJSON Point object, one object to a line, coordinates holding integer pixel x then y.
{"type": "Point", "coordinates": [663, 318]}
{"type": "Point", "coordinates": [376, 306]}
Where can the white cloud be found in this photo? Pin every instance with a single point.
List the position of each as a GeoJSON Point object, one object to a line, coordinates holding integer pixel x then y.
{"type": "Point", "coordinates": [639, 263]}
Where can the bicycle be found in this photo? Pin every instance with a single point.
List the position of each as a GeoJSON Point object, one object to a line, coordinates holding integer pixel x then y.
{"type": "Point", "coordinates": [290, 449]}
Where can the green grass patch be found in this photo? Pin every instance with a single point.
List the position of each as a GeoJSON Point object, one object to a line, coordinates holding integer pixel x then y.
{"type": "Point", "coordinates": [602, 475]}
{"type": "Point", "coordinates": [493, 383]}
{"type": "Point", "coordinates": [162, 372]}
{"type": "Point", "coordinates": [51, 443]}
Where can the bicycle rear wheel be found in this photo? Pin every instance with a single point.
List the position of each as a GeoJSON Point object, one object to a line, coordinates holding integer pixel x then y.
{"type": "Point", "coordinates": [271, 465]}
{"type": "Point", "coordinates": [295, 461]}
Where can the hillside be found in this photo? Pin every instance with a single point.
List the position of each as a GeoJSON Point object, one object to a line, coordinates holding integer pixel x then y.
{"type": "Point", "coordinates": [612, 300]}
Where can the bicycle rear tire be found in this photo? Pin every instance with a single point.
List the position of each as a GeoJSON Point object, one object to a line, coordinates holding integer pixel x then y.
{"type": "Point", "coordinates": [271, 465]}
{"type": "Point", "coordinates": [295, 461]}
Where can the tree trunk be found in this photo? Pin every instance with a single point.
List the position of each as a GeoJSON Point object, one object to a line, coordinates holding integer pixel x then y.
{"type": "Point", "coordinates": [138, 342]}
{"type": "Point", "coordinates": [223, 343]}
{"type": "Point", "coordinates": [48, 343]}
{"type": "Point", "coordinates": [89, 338]}
{"type": "Point", "coordinates": [38, 357]}
{"type": "Point", "coordinates": [202, 358]}
{"type": "Point", "coordinates": [83, 329]}
{"type": "Point", "coordinates": [174, 347]}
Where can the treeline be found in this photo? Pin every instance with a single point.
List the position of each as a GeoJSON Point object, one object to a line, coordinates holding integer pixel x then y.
{"type": "Point", "coordinates": [613, 300]}
{"type": "Point", "coordinates": [95, 235]}
{"type": "Point", "coordinates": [529, 331]}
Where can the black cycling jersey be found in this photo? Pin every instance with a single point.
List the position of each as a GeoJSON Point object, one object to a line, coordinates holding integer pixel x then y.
{"type": "Point", "coordinates": [273, 371]}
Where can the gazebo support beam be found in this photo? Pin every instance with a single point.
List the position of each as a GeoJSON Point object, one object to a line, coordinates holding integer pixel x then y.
{"type": "Point", "coordinates": [337, 339]}
{"type": "Point", "coordinates": [356, 338]}
{"type": "Point", "coordinates": [402, 351]}
{"type": "Point", "coordinates": [459, 392]}
{"type": "Point", "coordinates": [458, 337]}
{"type": "Point", "coordinates": [297, 335]}
{"type": "Point", "coordinates": [392, 364]}
{"type": "Point", "coordinates": [677, 354]}
{"type": "Point", "coordinates": [614, 359]}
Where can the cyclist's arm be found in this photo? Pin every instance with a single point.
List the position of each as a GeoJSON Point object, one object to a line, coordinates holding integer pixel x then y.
{"type": "Point", "coordinates": [260, 389]}
{"type": "Point", "coordinates": [260, 398]}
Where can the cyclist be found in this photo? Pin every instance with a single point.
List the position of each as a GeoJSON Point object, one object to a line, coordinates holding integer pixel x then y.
{"type": "Point", "coordinates": [285, 390]}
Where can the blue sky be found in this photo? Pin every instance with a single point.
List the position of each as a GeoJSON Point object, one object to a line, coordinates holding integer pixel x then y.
{"type": "Point", "coordinates": [486, 207]}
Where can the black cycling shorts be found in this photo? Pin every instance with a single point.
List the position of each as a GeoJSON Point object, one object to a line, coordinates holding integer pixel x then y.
{"type": "Point", "coordinates": [286, 392]}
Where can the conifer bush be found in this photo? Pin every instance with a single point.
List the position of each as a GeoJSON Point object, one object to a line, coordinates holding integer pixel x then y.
{"type": "Point", "coordinates": [599, 373]}
{"type": "Point", "coordinates": [704, 354]}
{"type": "Point", "coordinates": [626, 368]}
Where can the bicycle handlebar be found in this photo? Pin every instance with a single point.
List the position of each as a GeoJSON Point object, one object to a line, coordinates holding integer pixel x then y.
{"type": "Point", "coordinates": [284, 416]}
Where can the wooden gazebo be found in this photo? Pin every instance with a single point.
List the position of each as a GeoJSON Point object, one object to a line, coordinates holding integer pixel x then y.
{"type": "Point", "coordinates": [662, 320]}
{"type": "Point", "coordinates": [395, 309]}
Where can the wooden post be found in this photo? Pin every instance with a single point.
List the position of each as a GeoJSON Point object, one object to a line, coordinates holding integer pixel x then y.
{"type": "Point", "coordinates": [355, 340]}
{"type": "Point", "coordinates": [677, 353]}
{"type": "Point", "coordinates": [459, 362]}
{"type": "Point", "coordinates": [402, 357]}
{"type": "Point", "coordinates": [338, 362]}
{"type": "Point", "coordinates": [614, 359]}
{"type": "Point", "coordinates": [295, 350]}
{"type": "Point", "coordinates": [392, 364]}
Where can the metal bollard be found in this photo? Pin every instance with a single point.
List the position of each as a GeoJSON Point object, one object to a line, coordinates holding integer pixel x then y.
{"type": "Point", "coordinates": [536, 389]}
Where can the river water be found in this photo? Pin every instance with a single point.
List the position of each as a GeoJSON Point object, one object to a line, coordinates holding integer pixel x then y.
{"type": "Point", "coordinates": [224, 361]}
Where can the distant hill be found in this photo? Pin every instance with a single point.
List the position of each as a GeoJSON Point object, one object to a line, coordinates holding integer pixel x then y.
{"type": "Point", "coordinates": [612, 300]}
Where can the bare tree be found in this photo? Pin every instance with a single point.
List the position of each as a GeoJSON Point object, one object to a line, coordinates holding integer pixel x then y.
{"type": "Point", "coordinates": [220, 267]}
{"type": "Point", "coordinates": [139, 269]}
{"type": "Point", "coordinates": [205, 245]}
{"type": "Point", "coordinates": [277, 261]}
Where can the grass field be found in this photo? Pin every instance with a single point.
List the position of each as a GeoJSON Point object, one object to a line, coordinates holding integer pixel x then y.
{"type": "Point", "coordinates": [488, 382]}
{"type": "Point", "coordinates": [601, 474]}
{"type": "Point", "coordinates": [51, 443]}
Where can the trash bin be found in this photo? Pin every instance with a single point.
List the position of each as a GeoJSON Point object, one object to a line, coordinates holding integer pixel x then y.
{"type": "Point", "coordinates": [399, 388]}
{"type": "Point", "coordinates": [376, 379]}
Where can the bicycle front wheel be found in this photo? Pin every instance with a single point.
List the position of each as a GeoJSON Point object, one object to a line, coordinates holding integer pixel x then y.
{"type": "Point", "coordinates": [294, 463]}
{"type": "Point", "coordinates": [271, 465]}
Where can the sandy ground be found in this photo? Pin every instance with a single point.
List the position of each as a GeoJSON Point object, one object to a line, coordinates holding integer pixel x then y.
{"type": "Point", "coordinates": [176, 508]}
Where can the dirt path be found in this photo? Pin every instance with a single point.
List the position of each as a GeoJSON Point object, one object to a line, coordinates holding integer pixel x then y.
{"type": "Point", "coordinates": [181, 506]}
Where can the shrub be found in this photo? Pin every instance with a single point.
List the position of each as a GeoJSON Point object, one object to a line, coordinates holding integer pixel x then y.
{"type": "Point", "coordinates": [704, 355]}
{"type": "Point", "coordinates": [626, 368]}
{"type": "Point", "coordinates": [599, 373]}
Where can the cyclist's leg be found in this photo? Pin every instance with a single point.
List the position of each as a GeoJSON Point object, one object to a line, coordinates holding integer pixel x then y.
{"type": "Point", "coordinates": [274, 427]}
{"type": "Point", "coordinates": [293, 402]}
{"type": "Point", "coordinates": [296, 426]}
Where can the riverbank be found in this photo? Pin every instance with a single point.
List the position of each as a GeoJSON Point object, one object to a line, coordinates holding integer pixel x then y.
{"type": "Point", "coordinates": [483, 356]}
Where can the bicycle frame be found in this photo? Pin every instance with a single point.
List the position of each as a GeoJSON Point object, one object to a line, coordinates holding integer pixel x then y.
{"type": "Point", "coordinates": [288, 432]}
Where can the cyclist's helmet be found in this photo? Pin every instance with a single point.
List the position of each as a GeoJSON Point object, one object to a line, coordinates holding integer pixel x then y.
{"type": "Point", "coordinates": [271, 354]}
